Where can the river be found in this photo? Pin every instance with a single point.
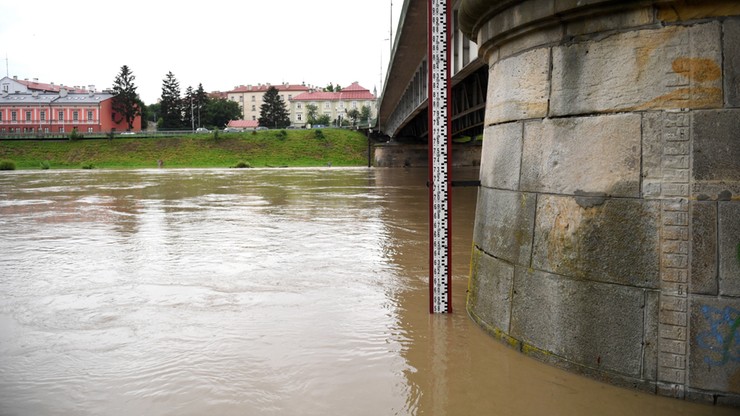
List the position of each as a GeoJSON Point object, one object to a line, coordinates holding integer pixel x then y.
{"type": "Point", "coordinates": [254, 292]}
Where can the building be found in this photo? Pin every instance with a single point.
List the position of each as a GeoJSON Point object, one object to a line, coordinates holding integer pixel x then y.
{"type": "Point", "coordinates": [332, 104]}
{"type": "Point", "coordinates": [243, 124]}
{"type": "Point", "coordinates": [31, 107]}
{"type": "Point", "coordinates": [249, 97]}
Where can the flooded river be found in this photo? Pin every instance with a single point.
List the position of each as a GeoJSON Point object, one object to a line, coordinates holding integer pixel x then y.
{"type": "Point", "coordinates": [253, 292]}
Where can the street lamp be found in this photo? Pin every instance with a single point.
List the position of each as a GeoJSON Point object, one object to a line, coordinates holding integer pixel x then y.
{"type": "Point", "coordinates": [192, 120]}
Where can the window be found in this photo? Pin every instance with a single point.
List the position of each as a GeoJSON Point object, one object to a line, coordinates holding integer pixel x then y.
{"type": "Point", "coordinates": [61, 116]}
{"type": "Point", "coordinates": [13, 116]}
{"type": "Point", "coordinates": [253, 98]}
{"type": "Point", "coordinates": [42, 115]}
{"type": "Point", "coordinates": [89, 129]}
{"type": "Point", "coordinates": [290, 97]}
{"type": "Point", "coordinates": [75, 115]}
{"type": "Point", "coordinates": [254, 118]}
{"type": "Point", "coordinates": [1, 116]}
{"type": "Point", "coordinates": [298, 105]}
{"type": "Point", "coordinates": [327, 105]}
{"type": "Point", "coordinates": [89, 115]}
{"type": "Point", "coordinates": [28, 116]}
{"type": "Point", "coordinates": [61, 129]}
{"type": "Point", "coordinates": [341, 104]}
{"type": "Point", "coordinates": [241, 98]}
{"type": "Point", "coordinates": [6, 87]}
{"type": "Point", "coordinates": [298, 116]}
{"type": "Point", "coordinates": [254, 108]}
{"type": "Point", "coordinates": [46, 129]}
{"type": "Point", "coordinates": [354, 104]}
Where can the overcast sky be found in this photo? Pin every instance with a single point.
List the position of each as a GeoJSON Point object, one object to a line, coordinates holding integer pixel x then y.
{"type": "Point", "coordinates": [219, 43]}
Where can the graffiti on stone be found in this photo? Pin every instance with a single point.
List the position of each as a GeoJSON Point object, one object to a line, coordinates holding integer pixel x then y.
{"type": "Point", "coordinates": [721, 342]}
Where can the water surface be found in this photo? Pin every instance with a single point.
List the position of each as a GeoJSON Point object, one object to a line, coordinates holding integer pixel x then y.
{"type": "Point", "coordinates": [253, 292]}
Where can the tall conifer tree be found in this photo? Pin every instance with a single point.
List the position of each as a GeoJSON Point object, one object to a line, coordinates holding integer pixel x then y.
{"type": "Point", "coordinates": [273, 113]}
{"type": "Point", "coordinates": [171, 103]}
{"type": "Point", "coordinates": [126, 103]}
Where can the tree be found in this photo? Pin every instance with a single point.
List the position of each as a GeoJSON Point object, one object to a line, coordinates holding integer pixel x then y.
{"type": "Point", "coordinates": [332, 88]}
{"type": "Point", "coordinates": [365, 114]}
{"type": "Point", "coordinates": [126, 104]}
{"type": "Point", "coordinates": [189, 108]}
{"type": "Point", "coordinates": [218, 113]}
{"type": "Point", "coordinates": [273, 113]}
{"type": "Point", "coordinates": [353, 115]}
{"type": "Point", "coordinates": [170, 103]}
{"type": "Point", "coordinates": [201, 100]}
{"type": "Point", "coordinates": [323, 119]}
{"type": "Point", "coordinates": [312, 111]}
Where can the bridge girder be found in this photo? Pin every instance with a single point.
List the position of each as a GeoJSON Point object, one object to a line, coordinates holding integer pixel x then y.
{"type": "Point", "coordinates": [403, 105]}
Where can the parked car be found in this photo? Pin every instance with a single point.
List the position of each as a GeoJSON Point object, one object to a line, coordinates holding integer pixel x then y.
{"type": "Point", "coordinates": [127, 133]}
{"type": "Point", "coordinates": [202, 130]}
{"type": "Point", "coordinates": [232, 130]}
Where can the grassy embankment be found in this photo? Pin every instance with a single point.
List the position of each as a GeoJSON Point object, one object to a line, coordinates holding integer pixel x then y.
{"type": "Point", "coordinates": [259, 149]}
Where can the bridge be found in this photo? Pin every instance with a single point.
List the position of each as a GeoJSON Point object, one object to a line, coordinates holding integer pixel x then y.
{"type": "Point", "coordinates": [402, 112]}
{"type": "Point", "coordinates": [606, 238]}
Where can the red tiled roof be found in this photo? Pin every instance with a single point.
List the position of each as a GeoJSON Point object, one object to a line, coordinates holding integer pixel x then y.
{"type": "Point", "coordinates": [265, 87]}
{"type": "Point", "coordinates": [353, 92]}
{"type": "Point", "coordinates": [40, 86]}
{"type": "Point", "coordinates": [243, 124]}
{"type": "Point", "coordinates": [354, 87]}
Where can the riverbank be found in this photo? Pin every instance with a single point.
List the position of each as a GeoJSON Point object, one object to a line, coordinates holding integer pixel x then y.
{"type": "Point", "coordinates": [294, 148]}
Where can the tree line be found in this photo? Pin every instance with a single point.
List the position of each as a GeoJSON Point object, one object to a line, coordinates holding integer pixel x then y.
{"type": "Point", "coordinates": [174, 111]}
{"type": "Point", "coordinates": [195, 108]}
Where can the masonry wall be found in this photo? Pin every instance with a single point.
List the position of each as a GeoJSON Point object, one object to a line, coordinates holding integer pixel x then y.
{"type": "Point", "coordinates": [607, 236]}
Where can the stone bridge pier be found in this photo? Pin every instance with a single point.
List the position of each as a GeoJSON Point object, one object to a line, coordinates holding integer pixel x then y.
{"type": "Point", "coordinates": [607, 236]}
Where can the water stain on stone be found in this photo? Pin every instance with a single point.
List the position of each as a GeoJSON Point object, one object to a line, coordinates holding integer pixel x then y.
{"type": "Point", "coordinates": [689, 97]}
{"type": "Point", "coordinates": [697, 69]}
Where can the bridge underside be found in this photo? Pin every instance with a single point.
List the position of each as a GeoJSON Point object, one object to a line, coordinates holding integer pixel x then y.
{"type": "Point", "coordinates": [402, 113]}
{"type": "Point", "coordinates": [468, 110]}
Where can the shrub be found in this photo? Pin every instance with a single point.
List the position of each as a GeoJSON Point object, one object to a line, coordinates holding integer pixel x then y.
{"type": "Point", "coordinates": [7, 164]}
{"type": "Point", "coordinates": [45, 165]}
{"type": "Point", "coordinates": [87, 165]}
{"type": "Point", "coordinates": [242, 164]}
{"type": "Point", "coordinates": [75, 135]}
{"type": "Point", "coordinates": [319, 134]}
{"type": "Point", "coordinates": [282, 134]}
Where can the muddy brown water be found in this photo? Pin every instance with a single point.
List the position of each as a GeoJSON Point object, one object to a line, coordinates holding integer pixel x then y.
{"type": "Point", "coordinates": [254, 292]}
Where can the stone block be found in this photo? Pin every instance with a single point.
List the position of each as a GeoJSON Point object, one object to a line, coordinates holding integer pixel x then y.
{"type": "Point", "coordinates": [612, 21]}
{"type": "Point", "coordinates": [714, 358]}
{"type": "Point", "coordinates": [596, 325]}
{"type": "Point", "coordinates": [669, 68]}
{"type": "Point", "coordinates": [583, 154]}
{"type": "Point", "coordinates": [504, 224]}
{"type": "Point", "coordinates": [501, 156]}
{"type": "Point", "coordinates": [729, 248]}
{"type": "Point", "coordinates": [650, 359]}
{"type": "Point", "coordinates": [611, 240]}
{"type": "Point", "coordinates": [716, 154]}
{"type": "Point", "coordinates": [704, 247]}
{"type": "Point", "coordinates": [491, 283]}
{"type": "Point", "coordinates": [731, 45]}
{"type": "Point", "coordinates": [518, 87]}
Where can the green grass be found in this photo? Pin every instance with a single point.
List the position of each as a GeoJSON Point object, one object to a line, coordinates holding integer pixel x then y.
{"type": "Point", "coordinates": [294, 148]}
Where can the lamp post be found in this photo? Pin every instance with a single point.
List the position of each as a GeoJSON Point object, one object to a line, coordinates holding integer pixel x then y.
{"type": "Point", "coordinates": [192, 120]}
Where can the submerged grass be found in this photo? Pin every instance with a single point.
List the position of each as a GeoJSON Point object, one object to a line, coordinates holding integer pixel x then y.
{"type": "Point", "coordinates": [294, 148]}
